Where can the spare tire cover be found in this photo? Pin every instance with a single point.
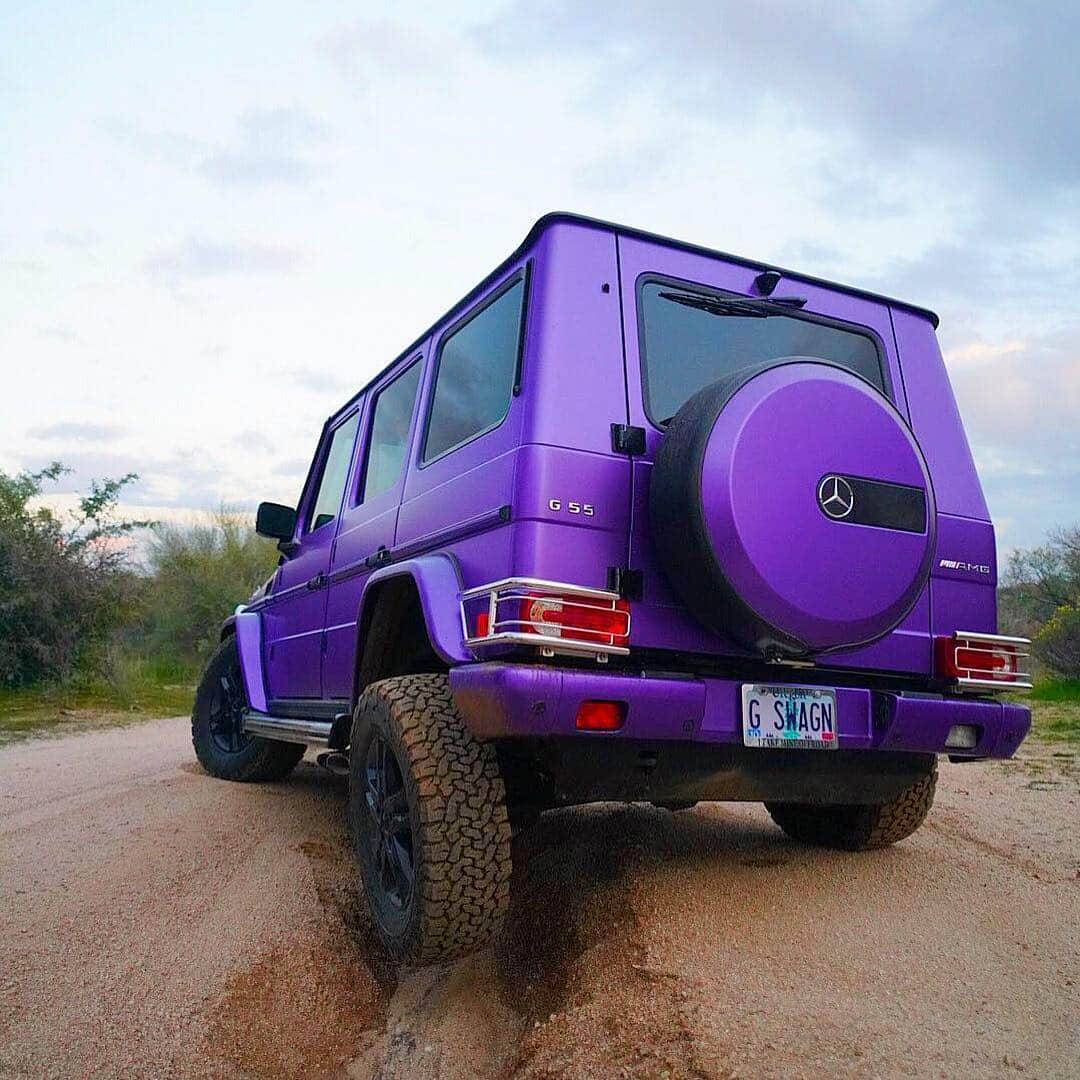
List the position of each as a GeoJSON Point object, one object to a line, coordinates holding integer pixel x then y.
{"type": "Point", "coordinates": [792, 509]}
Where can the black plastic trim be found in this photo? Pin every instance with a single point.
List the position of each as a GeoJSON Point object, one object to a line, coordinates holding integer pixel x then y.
{"type": "Point", "coordinates": [627, 439]}
{"type": "Point", "coordinates": [422, 544]}
{"type": "Point", "coordinates": [629, 584]}
{"type": "Point", "coordinates": [882, 504]}
{"type": "Point", "coordinates": [307, 708]}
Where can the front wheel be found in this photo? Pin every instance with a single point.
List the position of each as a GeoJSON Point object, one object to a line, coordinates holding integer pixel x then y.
{"type": "Point", "coordinates": [427, 813]}
{"type": "Point", "coordinates": [222, 746]}
{"type": "Point", "coordinates": [860, 828]}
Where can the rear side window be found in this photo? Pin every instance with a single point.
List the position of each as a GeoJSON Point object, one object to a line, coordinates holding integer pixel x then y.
{"type": "Point", "coordinates": [685, 348]}
{"type": "Point", "coordinates": [335, 470]}
{"type": "Point", "coordinates": [390, 433]}
{"type": "Point", "coordinates": [477, 367]}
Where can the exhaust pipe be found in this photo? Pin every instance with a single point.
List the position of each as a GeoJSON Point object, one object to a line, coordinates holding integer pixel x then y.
{"type": "Point", "coordinates": [334, 761]}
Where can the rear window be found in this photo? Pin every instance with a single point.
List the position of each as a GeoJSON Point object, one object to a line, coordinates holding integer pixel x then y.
{"type": "Point", "coordinates": [476, 371]}
{"type": "Point", "coordinates": [685, 348]}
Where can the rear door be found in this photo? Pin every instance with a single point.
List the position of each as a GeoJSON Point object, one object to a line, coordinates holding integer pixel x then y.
{"type": "Point", "coordinates": [369, 516]}
{"type": "Point", "coordinates": [294, 616]}
{"type": "Point", "coordinates": [648, 268]}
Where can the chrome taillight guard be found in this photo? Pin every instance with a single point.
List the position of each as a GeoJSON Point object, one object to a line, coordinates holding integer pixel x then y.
{"type": "Point", "coordinates": [502, 601]}
{"type": "Point", "coordinates": [972, 641]}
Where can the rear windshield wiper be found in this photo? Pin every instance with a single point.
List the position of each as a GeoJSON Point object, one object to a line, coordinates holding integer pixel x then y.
{"type": "Point", "coordinates": [753, 307]}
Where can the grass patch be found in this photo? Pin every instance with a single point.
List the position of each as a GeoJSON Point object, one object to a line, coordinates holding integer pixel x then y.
{"type": "Point", "coordinates": [1056, 721]}
{"type": "Point", "coordinates": [1055, 710]}
{"type": "Point", "coordinates": [1056, 690]}
{"type": "Point", "coordinates": [140, 692]}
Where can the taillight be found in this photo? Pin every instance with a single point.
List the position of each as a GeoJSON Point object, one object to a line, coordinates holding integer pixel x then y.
{"type": "Point", "coordinates": [982, 661]}
{"type": "Point", "coordinates": [554, 617]}
{"type": "Point", "coordinates": [605, 622]}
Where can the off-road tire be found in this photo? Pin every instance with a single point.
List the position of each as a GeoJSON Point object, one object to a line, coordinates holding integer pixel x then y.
{"type": "Point", "coordinates": [859, 828]}
{"type": "Point", "coordinates": [456, 801]}
{"type": "Point", "coordinates": [258, 759]}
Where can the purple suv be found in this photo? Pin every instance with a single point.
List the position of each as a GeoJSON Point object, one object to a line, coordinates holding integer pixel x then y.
{"type": "Point", "coordinates": [634, 521]}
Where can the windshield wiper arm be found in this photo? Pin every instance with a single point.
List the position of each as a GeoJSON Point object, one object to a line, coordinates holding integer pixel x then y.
{"type": "Point", "coordinates": [753, 307]}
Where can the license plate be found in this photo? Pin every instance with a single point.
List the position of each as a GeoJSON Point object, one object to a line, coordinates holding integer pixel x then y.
{"type": "Point", "coordinates": [789, 717]}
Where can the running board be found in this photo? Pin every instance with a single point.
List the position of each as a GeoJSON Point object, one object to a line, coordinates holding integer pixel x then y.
{"type": "Point", "coordinates": [287, 728]}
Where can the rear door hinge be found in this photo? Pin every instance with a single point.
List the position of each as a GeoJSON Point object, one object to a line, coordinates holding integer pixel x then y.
{"type": "Point", "coordinates": [627, 439]}
{"type": "Point", "coordinates": [627, 583]}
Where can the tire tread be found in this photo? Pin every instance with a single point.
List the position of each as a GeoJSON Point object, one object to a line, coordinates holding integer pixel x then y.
{"type": "Point", "coordinates": [859, 828]}
{"type": "Point", "coordinates": [262, 761]}
{"type": "Point", "coordinates": [463, 847]}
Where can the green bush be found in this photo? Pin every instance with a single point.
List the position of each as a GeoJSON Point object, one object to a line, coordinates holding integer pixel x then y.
{"type": "Point", "coordinates": [65, 583]}
{"type": "Point", "coordinates": [1057, 643]}
{"type": "Point", "coordinates": [1040, 598]}
{"type": "Point", "coordinates": [197, 574]}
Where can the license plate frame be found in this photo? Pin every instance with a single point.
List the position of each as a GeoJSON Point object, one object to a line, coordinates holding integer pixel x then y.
{"type": "Point", "coordinates": [805, 727]}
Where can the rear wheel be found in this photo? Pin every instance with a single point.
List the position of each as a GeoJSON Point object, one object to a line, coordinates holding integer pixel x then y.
{"type": "Point", "coordinates": [859, 828]}
{"type": "Point", "coordinates": [222, 746]}
{"type": "Point", "coordinates": [427, 812]}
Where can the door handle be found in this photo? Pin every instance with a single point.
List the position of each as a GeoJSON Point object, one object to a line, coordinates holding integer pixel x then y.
{"type": "Point", "coordinates": [381, 558]}
{"type": "Point", "coordinates": [317, 582]}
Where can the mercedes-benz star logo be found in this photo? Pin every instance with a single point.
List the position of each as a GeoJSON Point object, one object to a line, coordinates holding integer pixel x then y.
{"type": "Point", "coordinates": [835, 497]}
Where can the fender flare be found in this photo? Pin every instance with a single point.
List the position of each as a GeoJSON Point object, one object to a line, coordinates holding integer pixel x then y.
{"type": "Point", "coordinates": [247, 629]}
{"type": "Point", "coordinates": [438, 584]}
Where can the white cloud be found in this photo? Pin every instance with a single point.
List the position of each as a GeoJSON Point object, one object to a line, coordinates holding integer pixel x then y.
{"type": "Point", "coordinates": [226, 226]}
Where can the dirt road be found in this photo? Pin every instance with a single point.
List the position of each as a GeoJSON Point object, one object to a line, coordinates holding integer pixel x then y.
{"type": "Point", "coordinates": [155, 922]}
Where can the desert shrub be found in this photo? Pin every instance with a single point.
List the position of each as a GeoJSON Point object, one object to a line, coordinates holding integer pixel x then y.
{"type": "Point", "coordinates": [1057, 643]}
{"type": "Point", "coordinates": [1041, 597]}
{"type": "Point", "coordinates": [65, 583]}
{"type": "Point", "coordinates": [197, 574]}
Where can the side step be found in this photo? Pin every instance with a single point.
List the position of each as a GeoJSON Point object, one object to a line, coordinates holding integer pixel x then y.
{"type": "Point", "coordinates": [288, 729]}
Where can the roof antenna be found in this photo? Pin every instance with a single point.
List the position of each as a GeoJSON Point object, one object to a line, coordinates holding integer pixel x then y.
{"type": "Point", "coordinates": [766, 281]}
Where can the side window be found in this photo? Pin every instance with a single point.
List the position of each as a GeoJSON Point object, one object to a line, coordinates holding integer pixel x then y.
{"type": "Point", "coordinates": [390, 433]}
{"type": "Point", "coordinates": [474, 381]}
{"type": "Point", "coordinates": [334, 472]}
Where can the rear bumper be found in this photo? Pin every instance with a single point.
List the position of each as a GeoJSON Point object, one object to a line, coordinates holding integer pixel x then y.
{"type": "Point", "coordinates": [502, 700]}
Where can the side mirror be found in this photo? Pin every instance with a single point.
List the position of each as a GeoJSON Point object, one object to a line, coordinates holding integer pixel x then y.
{"type": "Point", "coordinates": [275, 521]}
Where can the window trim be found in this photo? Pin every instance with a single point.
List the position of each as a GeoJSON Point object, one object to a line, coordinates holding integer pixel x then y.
{"type": "Point", "coordinates": [358, 497]}
{"type": "Point", "coordinates": [307, 527]}
{"type": "Point", "coordinates": [520, 275]}
{"type": "Point", "coordinates": [650, 277]}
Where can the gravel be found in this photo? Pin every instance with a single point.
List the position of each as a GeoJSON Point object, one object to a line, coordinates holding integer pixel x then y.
{"type": "Point", "coordinates": [157, 922]}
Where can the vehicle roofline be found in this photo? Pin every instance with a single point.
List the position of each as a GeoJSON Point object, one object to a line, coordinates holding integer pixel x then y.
{"type": "Point", "coordinates": [570, 218]}
{"type": "Point", "coordinates": [567, 217]}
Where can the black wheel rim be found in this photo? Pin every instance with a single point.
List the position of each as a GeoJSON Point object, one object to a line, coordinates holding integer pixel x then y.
{"type": "Point", "coordinates": [227, 712]}
{"type": "Point", "coordinates": [391, 830]}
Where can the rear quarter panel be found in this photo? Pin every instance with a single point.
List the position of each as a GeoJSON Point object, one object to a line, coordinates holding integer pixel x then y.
{"type": "Point", "coordinates": [963, 578]}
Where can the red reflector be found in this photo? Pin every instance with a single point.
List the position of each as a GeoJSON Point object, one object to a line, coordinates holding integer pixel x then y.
{"type": "Point", "coordinates": [600, 715]}
{"type": "Point", "coordinates": [577, 618]}
{"type": "Point", "coordinates": [483, 624]}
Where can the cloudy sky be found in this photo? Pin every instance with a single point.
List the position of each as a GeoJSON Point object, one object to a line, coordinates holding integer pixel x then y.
{"type": "Point", "coordinates": [215, 226]}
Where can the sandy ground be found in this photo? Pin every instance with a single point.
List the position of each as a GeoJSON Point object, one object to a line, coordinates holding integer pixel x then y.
{"type": "Point", "coordinates": [156, 922]}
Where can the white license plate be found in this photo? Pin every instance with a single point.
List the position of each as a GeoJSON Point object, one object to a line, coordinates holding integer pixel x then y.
{"type": "Point", "coordinates": [789, 717]}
